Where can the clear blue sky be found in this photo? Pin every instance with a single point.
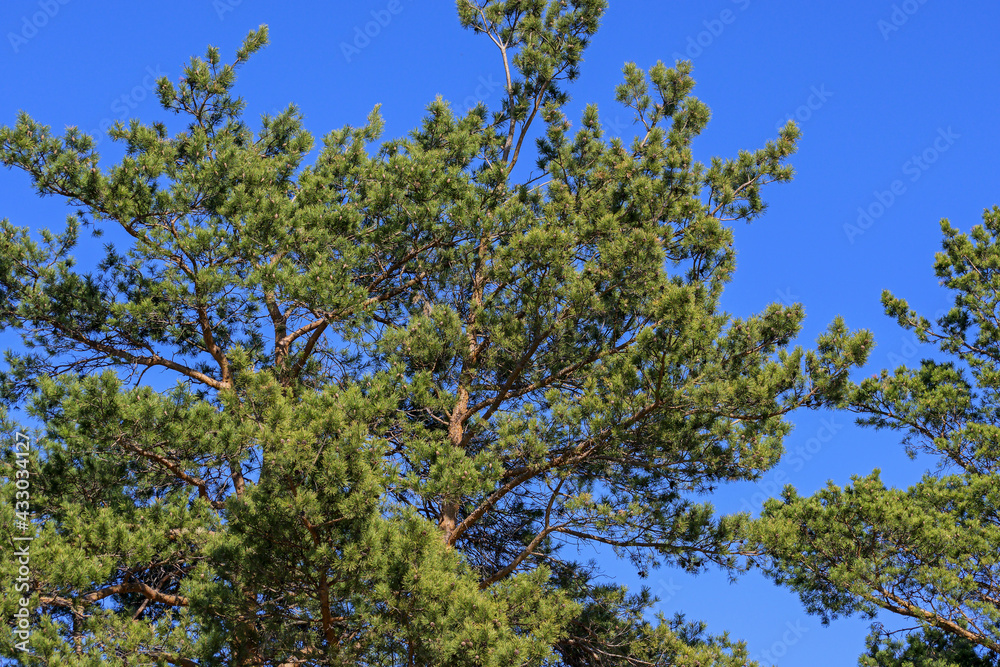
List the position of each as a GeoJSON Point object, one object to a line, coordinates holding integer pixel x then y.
{"type": "Point", "coordinates": [897, 101]}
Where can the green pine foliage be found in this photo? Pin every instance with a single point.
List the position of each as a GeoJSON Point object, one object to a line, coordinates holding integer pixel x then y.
{"type": "Point", "coordinates": [931, 648]}
{"type": "Point", "coordinates": [928, 552]}
{"type": "Point", "coordinates": [408, 373]}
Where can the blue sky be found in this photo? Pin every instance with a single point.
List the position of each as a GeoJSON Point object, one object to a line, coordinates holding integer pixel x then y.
{"type": "Point", "coordinates": [896, 102]}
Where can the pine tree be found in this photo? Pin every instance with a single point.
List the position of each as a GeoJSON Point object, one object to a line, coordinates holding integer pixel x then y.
{"type": "Point", "coordinates": [931, 648]}
{"type": "Point", "coordinates": [407, 374]}
{"type": "Point", "coordinates": [928, 552]}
